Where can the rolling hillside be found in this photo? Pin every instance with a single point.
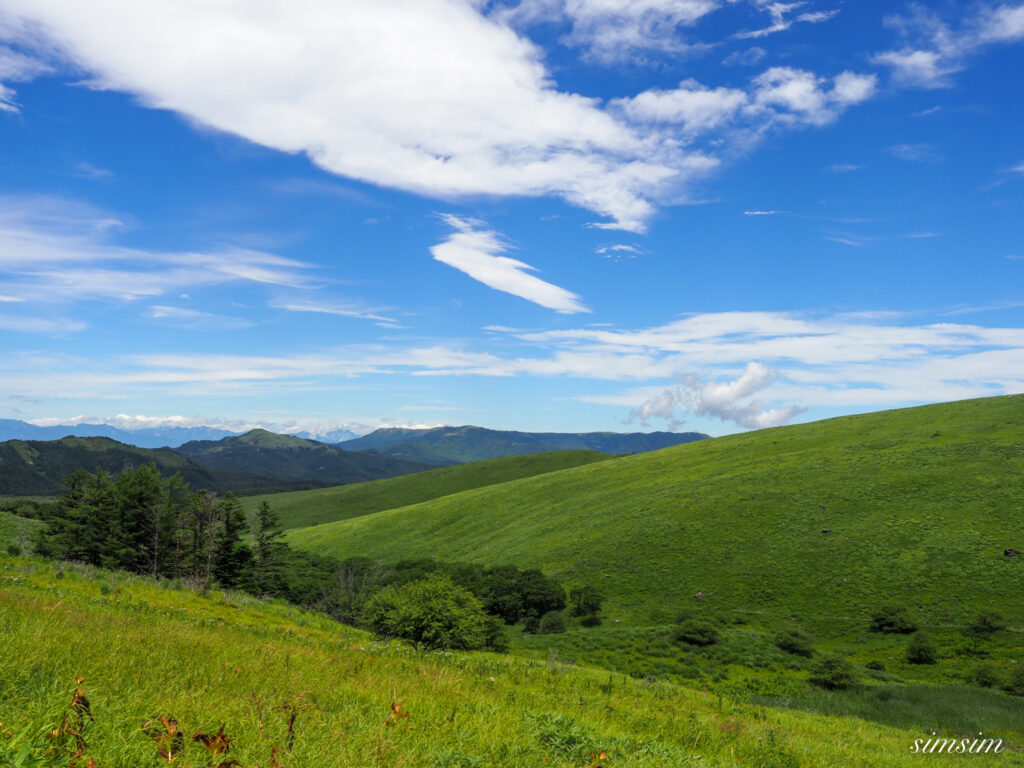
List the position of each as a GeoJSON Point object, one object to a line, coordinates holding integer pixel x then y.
{"type": "Point", "coordinates": [293, 459]}
{"type": "Point", "coordinates": [295, 689]}
{"type": "Point", "coordinates": [299, 509]}
{"type": "Point", "coordinates": [30, 468]}
{"type": "Point", "coordinates": [817, 522]}
{"type": "Point", "coordinates": [456, 445]}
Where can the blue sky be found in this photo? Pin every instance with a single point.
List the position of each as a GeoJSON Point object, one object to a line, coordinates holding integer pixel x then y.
{"type": "Point", "coordinates": [568, 215]}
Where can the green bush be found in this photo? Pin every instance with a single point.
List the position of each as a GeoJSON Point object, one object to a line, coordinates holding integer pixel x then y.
{"type": "Point", "coordinates": [985, 675]}
{"type": "Point", "coordinates": [921, 650]}
{"type": "Point", "coordinates": [431, 613]}
{"type": "Point", "coordinates": [875, 665]}
{"type": "Point", "coordinates": [697, 632]}
{"type": "Point", "coordinates": [586, 602]}
{"type": "Point", "coordinates": [1015, 683]}
{"type": "Point", "coordinates": [833, 672]}
{"type": "Point", "coordinates": [983, 626]}
{"type": "Point", "coordinates": [795, 642]}
{"type": "Point", "coordinates": [13, 550]}
{"type": "Point", "coordinates": [495, 635]}
{"type": "Point", "coordinates": [892, 620]}
{"type": "Point", "coordinates": [551, 623]}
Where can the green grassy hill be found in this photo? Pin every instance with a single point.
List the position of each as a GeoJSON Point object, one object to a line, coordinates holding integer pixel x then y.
{"type": "Point", "coordinates": [293, 459]}
{"type": "Point", "coordinates": [816, 523]}
{"type": "Point", "coordinates": [299, 509]}
{"type": "Point", "coordinates": [293, 689]}
{"type": "Point", "coordinates": [455, 445]}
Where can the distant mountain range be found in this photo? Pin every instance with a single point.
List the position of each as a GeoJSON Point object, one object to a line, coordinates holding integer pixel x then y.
{"type": "Point", "coordinates": [443, 446]}
{"type": "Point", "coordinates": [158, 437]}
{"type": "Point", "coordinates": [293, 459]}
{"type": "Point", "coordinates": [264, 461]}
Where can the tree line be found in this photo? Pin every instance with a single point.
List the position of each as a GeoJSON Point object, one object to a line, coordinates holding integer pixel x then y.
{"type": "Point", "coordinates": [156, 526]}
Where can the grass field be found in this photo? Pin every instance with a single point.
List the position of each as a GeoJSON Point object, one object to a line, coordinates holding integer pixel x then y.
{"type": "Point", "coordinates": [17, 530]}
{"type": "Point", "coordinates": [816, 523]}
{"type": "Point", "coordinates": [299, 509]}
{"type": "Point", "coordinates": [145, 651]}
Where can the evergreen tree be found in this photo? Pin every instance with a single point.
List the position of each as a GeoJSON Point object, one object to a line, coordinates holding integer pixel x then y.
{"type": "Point", "coordinates": [231, 556]}
{"type": "Point", "coordinates": [269, 552]}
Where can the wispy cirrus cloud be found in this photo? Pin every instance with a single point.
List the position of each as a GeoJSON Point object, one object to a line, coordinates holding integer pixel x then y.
{"type": "Point", "coordinates": [56, 250]}
{"type": "Point", "coordinates": [937, 49]}
{"type": "Point", "coordinates": [478, 252]}
{"type": "Point", "coordinates": [785, 15]}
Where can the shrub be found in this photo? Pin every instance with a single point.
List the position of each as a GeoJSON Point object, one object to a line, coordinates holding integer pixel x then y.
{"type": "Point", "coordinates": [495, 636]}
{"type": "Point", "coordinates": [531, 623]}
{"type": "Point", "coordinates": [551, 623]}
{"type": "Point", "coordinates": [697, 632]}
{"type": "Point", "coordinates": [1015, 684]}
{"type": "Point", "coordinates": [892, 620]}
{"type": "Point", "coordinates": [586, 602]}
{"type": "Point", "coordinates": [983, 626]}
{"type": "Point", "coordinates": [795, 642]}
{"type": "Point", "coordinates": [431, 613]}
{"type": "Point", "coordinates": [13, 550]}
{"type": "Point", "coordinates": [875, 666]}
{"type": "Point", "coordinates": [921, 650]}
{"type": "Point", "coordinates": [833, 672]}
{"type": "Point", "coordinates": [985, 676]}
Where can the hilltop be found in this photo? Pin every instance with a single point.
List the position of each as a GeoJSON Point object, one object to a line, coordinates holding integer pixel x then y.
{"type": "Point", "coordinates": [298, 509]}
{"type": "Point", "coordinates": [820, 522]}
{"type": "Point", "coordinates": [456, 445]}
{"type": "Point", "coordinates": [293, 459]}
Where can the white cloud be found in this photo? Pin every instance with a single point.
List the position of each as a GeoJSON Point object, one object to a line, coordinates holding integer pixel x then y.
{"type": "Point", "coordinates": [338, 309]}
{"type": "Point", "coordinates": [782, 18]}
{"type": "Point", "coordinates": [780, 96]}
{"type": "Point", "coordinates": [916, 153]}
{"type": "Point", "coordinates": [935, 50]}
{"type": "Point", "coordinates": [691, 104]}
{"type": "Point", "coordinates": [619, 251]}
{"type": "Point", "coordinates": [16, 67]}
{"type": "Point", "coordinates": [843, 167]}
{"type": "Point", "coordinates": [721, 400]}
{"type": "Point", "coordinates": [763, 213]}
{"type": "Point", "coordinates": [612, 31]}
{"type": "Point", "coordinates": [427, 96]}
{"type": "Point", "coordinates": [45, 325]}
{"type": "Point", "coordinates": [194, 319]}
{"type": "Point", "coordinates": [477, 252]}
{"type": "Point", "coordinates": [747, 58]}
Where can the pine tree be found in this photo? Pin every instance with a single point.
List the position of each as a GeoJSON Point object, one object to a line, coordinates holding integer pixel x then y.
{"type": "Point", "coordinates": [270, 552]}
{"type": "Point", "coordinates": [231, 556]}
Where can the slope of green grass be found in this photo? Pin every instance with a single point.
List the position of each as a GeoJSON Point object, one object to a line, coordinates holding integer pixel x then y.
{"type": "Point", "coordinates": [299, 509]}
{"type": "Point", "coordinates": [17, 530]}
{"type": "Point", "coordinates": [293, 689]}
{"type": "Point", "coordinates": [814, 524]}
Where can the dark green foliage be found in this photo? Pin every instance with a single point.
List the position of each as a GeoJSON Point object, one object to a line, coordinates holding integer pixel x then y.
{"type": "Point", "coordinates": [983, 626]}
{"type": "Point", "coordinates": [551, 623]}
{"type": "Point", "coordinates": [495, 635]}
{"type": "Point", "coordinates": [892, 620]}
{"type": "Point", "coordinates": [795, 642]}
{"type": "Point", "coordinates": [833, 672]}
{"type": "Point", "coordinates": [586, 602]}
{"type": "Point", "coordinates": [13, 549]}
{"type": "Point", "coordinates": [922, 650]}
{"type": "Point", "coordinates": [875, 665]}
{"type": "Point", "coordinates": [269, 552]}
{"type": "Point", "coordinates": [986, 675]}
{"type": "Point", "coordinates": [699, 632]}
{"type": "Point", "coordinates": [431, 613]}
{"type": "Point", "coordinates": [1015, 682]}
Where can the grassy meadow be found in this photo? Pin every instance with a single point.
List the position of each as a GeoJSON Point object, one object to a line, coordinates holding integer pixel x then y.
{"type": "Point", "coordinates": [300, 509]}
{"type": "Point", "coordinates": [290, 688]}
{"type": "Point", "coordinates": [814, 524]}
